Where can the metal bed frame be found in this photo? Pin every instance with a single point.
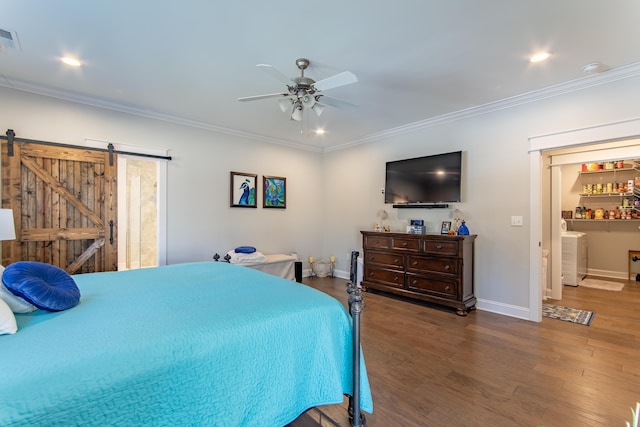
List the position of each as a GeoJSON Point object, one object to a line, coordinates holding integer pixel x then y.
{"type": "Point", "coordinates": [356, 306]}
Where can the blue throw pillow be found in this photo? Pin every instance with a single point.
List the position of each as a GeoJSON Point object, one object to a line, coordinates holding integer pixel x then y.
{"type": "Point", "coordinates": [245, 250]}
{"type": "Point", "coordinates": [44, 285]}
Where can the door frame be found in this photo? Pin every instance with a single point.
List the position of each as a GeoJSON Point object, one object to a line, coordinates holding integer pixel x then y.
{"type": "Point", "coordinates": [598, 134]}
{"type": "Point", "coordinates": [161, 155]}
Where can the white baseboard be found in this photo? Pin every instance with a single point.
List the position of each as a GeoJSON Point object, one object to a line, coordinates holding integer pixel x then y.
{"type": "Point", "coordinates": [338, 273]}
{"type": "Point", "coordinates": [607, 273]}
{"type": "Point", "coordinates": [504, 309]}
{"type": "Point", "coordinates": [485, 305]}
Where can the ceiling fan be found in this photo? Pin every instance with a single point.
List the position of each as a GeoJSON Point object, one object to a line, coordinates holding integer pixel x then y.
{"type": "Point", "coordinates": [304, 92]}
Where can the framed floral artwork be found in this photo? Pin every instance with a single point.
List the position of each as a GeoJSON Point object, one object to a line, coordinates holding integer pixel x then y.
{"type": "Point", "coordinates": [243, 190]}
{"type": "Point", "coordinates": [274, 192]}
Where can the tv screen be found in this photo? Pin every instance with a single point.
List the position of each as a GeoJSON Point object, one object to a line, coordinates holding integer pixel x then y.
{"type": "Point", "coordinates": [429, 179]}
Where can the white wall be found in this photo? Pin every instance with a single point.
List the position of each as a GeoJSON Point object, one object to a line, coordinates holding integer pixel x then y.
{"type": "Point", "coordinates": [495, 183]}
{"type": "Point", "coordinates": [200, 221]}
{"type": "Point", "coordinates": [332, 197]}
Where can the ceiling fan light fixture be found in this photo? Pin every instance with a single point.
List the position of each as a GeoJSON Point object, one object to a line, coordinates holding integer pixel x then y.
{"type": "Point", "coordinates": [318, 108]}
{"type": "Point", "coordinates": [285, 104]}
{"type": "Point", "coordinates": [304, 93]}
{"type": "Point", "coordinates": [297, 112]}
{"type": "Point", "coordinates": [307, 100]}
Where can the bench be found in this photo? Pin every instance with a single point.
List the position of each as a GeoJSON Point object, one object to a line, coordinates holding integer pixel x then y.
{"type": "Point", "coordinates": [277, 264]}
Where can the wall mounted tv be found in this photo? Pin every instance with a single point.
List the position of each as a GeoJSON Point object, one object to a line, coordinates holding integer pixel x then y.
{"type": "Point", "coordinates": [430, 181]}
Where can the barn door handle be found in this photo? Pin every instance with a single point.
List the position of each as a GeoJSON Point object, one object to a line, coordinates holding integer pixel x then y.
{"type": "Point", "coordinates": [111, 231]}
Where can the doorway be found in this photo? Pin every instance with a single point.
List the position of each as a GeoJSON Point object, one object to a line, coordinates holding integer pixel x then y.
{"type": "Point", "coordinates": [68, 204]}
{"type": "Point", "coordinates": [138, 213]}
{"type": "Point", "coordinates": [545, 218]}
{"type": "Point", "coordinates": [608, 240]}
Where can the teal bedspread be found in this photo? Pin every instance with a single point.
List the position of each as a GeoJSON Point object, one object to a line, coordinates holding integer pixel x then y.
{"type": "Point", "coordinates": [200, 344]}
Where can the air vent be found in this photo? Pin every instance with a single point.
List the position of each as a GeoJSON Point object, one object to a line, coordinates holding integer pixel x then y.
{"type": "Point", "coordinates": [8, 41]}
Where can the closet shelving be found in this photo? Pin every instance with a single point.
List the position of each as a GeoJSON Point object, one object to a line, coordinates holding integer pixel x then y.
{"type": "Point", "coordinates": [611, 189]}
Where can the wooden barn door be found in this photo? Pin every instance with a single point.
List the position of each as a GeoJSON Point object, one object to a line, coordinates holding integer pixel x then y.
{"type": "Point", "coordinates": [64, 206]}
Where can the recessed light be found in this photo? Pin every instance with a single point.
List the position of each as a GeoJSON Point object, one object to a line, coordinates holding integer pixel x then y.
{"type": "Point", "coordinates": [594, 68]}
{"type": "Point", "coordinates": [539, 57]}
{"type": "Point", "coordinates": [319, 131]}
{"type": "Point", "coordinates": [72, 62]}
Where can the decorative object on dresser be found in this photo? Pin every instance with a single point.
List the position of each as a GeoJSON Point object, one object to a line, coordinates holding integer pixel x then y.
{"type": "Point", "coordinates": [437, 268]}
{"type": "Point", "coordinates": [446, 226]}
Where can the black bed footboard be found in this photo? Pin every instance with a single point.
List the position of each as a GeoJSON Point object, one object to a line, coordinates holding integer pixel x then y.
{"type": "Point", "coordinates": [356, 305]}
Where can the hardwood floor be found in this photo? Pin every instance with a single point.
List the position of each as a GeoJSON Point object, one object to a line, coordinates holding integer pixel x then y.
{"type": "Point", "coordinates": [429, 367]}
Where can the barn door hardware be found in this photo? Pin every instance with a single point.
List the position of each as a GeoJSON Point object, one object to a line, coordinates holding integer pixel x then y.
{"type": "Point", "coordinates": [111, 231]}
{"type": "Point", "coordinates": [10, 135]}
{"type": "Point", "coordinates": [110, 148]}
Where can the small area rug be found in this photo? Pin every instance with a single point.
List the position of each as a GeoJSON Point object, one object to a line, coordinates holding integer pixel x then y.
{"type": "Point", "coordinates": [601, 284]}
{"type": "Point", "coordinates": [582, 317]}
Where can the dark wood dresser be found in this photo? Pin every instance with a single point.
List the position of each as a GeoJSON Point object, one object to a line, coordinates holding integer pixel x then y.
{"type": "Point", "coordinates": [431, 267]}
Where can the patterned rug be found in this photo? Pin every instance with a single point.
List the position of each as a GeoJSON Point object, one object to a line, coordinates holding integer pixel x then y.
{"type": "Point", "coordinates": [583, 317]}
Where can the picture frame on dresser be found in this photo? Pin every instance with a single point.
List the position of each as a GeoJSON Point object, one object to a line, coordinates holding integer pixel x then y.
{"type": "Point", "coordinates": [446, 226]}
{"type": "Point", "coordinates": [242, 191]}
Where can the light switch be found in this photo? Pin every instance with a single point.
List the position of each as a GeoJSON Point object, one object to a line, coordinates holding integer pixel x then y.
{"type": "Point", "coordinates": [516, 221]}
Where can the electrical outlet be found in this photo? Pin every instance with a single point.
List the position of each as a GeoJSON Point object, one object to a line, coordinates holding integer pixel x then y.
{"type": "Point", "coordinates": [516, 221]}
{"type": "Point", "coordinates": [382, 191]}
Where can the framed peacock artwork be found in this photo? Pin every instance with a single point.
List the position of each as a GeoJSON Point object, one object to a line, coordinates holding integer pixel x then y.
{"type": "Point", "coordinates": [274, 192]}
{"type": "Point", "coordinates": [243, 190]}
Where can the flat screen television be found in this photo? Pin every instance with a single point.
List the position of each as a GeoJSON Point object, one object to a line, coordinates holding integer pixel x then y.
{"type": "Point", "coordinates": [424, 180]}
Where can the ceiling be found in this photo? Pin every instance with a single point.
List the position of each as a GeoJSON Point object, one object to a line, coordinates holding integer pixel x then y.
{"type": "Point", "coordinates": [415, 60]}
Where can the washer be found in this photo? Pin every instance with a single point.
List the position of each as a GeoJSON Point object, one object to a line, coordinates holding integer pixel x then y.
{"type": "Point", "coordinates": [574, 257]}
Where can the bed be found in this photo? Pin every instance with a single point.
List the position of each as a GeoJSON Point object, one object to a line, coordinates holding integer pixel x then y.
{"type": "Point", "coordinates": [206, 343]}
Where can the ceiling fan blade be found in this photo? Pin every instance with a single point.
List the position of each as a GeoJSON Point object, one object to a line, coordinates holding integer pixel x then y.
{"type": "Point", "coordinates": [276, 74]}
{"type": "Point", "coordinates": [336, 103]}
{"type": "Point", "coordinates": [257, 97]}
{"type": "Point", "coordinates": [342, 79]}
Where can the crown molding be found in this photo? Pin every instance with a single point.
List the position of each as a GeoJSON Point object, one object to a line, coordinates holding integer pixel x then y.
{"type": "Point", "coordinates": [620, 73]}
{"type": "Point", "coordinates": [100, 103]}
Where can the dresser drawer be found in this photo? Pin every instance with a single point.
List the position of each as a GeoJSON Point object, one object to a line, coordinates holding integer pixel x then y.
{"type": "Point", "coordinates": [441, 247]}
{"type": "Point", "coordinates": [384, 258]}
{"type": "Point", "coordinates": [406, 244]}
{"type": "Point", "coordinates": [428, 285]}
{"type": "Point", "coordinates": [428, 267]}
{"type": "Point", "coordinates": [428, 264]}
{"type": "Point", "coordinates": [377, 242]}
{"type": "Point", "coordinates": [385, 277]}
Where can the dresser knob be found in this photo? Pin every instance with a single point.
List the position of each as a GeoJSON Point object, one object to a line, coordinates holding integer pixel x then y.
{"type": "Point", "coordinates": [404, 243]}
{"type": "Point", "coordinates": [415, 263]}
{"type": "Point", "coordinates": [395, 279]}
{"type": "Point", "coordinates": [396, 261]}
{"type": "Point", "coordinates": [439, 247]}
{"type": "Point", "coordinates": [446, 288]}
{"type": "Point", "coordinates": [415, 282]}
{"type": "Point", "coordinates": [446, 267]}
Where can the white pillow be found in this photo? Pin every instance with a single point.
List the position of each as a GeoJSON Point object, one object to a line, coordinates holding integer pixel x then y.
{"type": "Point", "coordinates": [16, 304]}
{"type": "Point", "coordinates": [7, 319]}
